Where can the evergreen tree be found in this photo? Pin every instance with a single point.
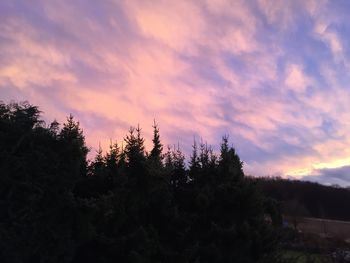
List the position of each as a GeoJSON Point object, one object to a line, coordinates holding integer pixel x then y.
{"type": "Point", "coordinates": [194, 162]}
{"type": "Point", "coordinates": [74, 148]}
{"type": "Point", "coordinates": [204, 157]}
{"type": "Point", "coordinates": [168, 159]}
{"type": "Point", "coordinates": [99, 165]}
{"type": "Point", "coordinates": [140, 141]}
{"type": "Point", "coordinates": [179, 177]}
{"type": "Point", "coordinates": [230, 165]}
{"type": "Point", "coordinates": [51, 213]}
{"type": "Point", "coordinates": [122, 158]}
{"type": "Point", "coordinates": [37, 175]}
{"type": "Point", "coordinates": [134, 148]}
{"type": "Point", "coordinates": [213, 159]}
{"type": "Point", "coordinates": [156, 152]}
{"type": "Point", "coordinates": [135, 152]}
{"type": "Point", "coordinates": [112, 159]}
{"type": "Point", "coordinates": [168, 164]}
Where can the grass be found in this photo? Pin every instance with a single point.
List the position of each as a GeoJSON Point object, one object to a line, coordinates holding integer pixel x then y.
{"type": "Point", "coordinates": [291, 256]}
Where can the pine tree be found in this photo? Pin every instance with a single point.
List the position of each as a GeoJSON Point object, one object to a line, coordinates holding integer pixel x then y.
{"type": "Point", "coordinates": [99, 156]}
{"type": "Point", "coordinates": [179, 177]}
{"type": "Point", "coordinates": [122, 157]}
{"type": "Point", "coordinates": [112, 159]}
{"type": "Point", "coordinates": [135, 151]}
{"type": "Point", "coordinates": [230, 165]}
{"type": "Point", "coordinates": [213, 160]}
{"type": "Point", "coordinates": [168, 164]}
{"type": "Point", "coordinates": [194, 162]}
{"type": "Point", "coordinates": [75, 150]}
{"type": "Point", "coordinates": [168, 159]}
{"type": "Point", "coordinates": [204, 156]}
{"type": "Point", "coordinates": [140, 141]}
{"type": "Point", "coordinates": [99, 165]}
{"type": "Point", "coordinates": [135, 219]}
{"type": "Point", "coordinates": [156, 152]}
{"type": "Point", "coordinates": [122, 164]}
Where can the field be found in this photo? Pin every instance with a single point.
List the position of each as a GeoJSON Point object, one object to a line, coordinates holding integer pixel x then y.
{"type": "Point", "coordinates": [319, 240]}
{"type": "Point", "coordinates": [323, 227]}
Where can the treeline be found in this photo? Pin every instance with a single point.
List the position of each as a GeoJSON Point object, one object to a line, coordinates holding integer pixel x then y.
{"type": "Point", "coordinates": [127, 205]}
{"type": "Point", "coordinates": [302, 198]}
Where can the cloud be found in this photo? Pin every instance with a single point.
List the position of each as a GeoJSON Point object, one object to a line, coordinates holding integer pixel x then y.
{"type": "Point", "coordinates": [272, 75]}
{"type": "Point", "coordinates": [296, 80]}
{"type": "Point", "coordinates": [331, 176]}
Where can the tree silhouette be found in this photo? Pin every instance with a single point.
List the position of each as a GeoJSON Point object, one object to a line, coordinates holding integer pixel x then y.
{"type": "Point", "coordinates": [230, 164]}
{"type": "Point", "coordinates": [156, 156]}
{"type": "Point", "coordinates": [112, 159]}
{"type": "Point", "coordinates": [194, 162]}
{"type": "Point", "coordinates": [178, 177]}
{"type": "Point", "coordinates": [134, 148]}
{"type": "Point", "coordinates": [98, 165]}
{"type": "Point", "coordinates": [74, 149]}
{"type": "Point", "coordinates": [127, 205]}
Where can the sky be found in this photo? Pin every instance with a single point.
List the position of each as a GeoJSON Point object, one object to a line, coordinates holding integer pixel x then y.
{"type": "Point", "coordinates": [273, 75]}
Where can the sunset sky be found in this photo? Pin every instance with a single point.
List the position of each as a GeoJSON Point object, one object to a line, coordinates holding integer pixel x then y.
{"type": "Point", "coordinates": [274, 75]}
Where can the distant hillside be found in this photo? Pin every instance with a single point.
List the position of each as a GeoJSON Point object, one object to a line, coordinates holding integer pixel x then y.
{"type": "Point", "coordinates": [307, 199]}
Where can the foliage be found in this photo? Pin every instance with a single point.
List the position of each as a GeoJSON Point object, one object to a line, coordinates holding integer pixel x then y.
{"type": "Point", "coordinates": [302, 198]}
{"type": "Point", "coordinates": [126, 205]}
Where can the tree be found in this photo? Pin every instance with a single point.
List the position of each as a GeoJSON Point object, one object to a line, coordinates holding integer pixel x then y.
{"type": "Point", "coordinates": [51, 213]}
{"type": "Point", "coordinates": [156, 152]}
{"type": "Point", "coordinates": [178, 178]}
{"type": "Point", "coordinates": [112, 158]}
{"type": "Point", "coordinates": [194, 162]}
{"type": "Point", "coordinates": [230, 165]}
{"type": "Point", "coordinates": [54, 128]}
{"type": "Point", "coordinates": [37, 176]}
{"type": "Point", "coordinates": [17, 120]}
{"type": "Point", "coordinates": [99, 164]}
{"type": "Point", "coordinates": [135, 153]}
{"type": "Point", "coordinates": [204, 157]}
{"type": "Point", "coordinates": [122, 159]}
{"type": "Point", "coordinates": [74, 148]}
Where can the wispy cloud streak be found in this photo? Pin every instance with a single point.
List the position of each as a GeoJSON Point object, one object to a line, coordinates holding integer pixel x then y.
{"type": "Point", "coordinates": [273, 75]}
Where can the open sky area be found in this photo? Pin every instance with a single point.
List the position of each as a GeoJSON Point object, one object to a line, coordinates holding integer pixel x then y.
{"type": "Point", "coordinates": [274, 75]}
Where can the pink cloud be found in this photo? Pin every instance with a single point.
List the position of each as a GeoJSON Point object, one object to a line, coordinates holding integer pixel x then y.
{"type": "Point", "coordinates": [202, 69]}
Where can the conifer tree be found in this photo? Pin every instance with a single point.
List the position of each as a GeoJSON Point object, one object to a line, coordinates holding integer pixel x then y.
{"type": "Point", "coordinates": [156, 152]}
{"type": "Point", "coordinates": [140, 141]}
{"type": "Point", "coordinates": [135, 151]}
{"type": "Point", "coordinates": [50, 215]}
{"type": "Point", "coordinates": [112, 159]}
{"type": "Point", "coordinates": [122, 164]}
{"type": "Point", "coordinates": [179, 177]}
{"type": "Point", "coordinates": [168, 159]}
{"type": "Point", "coordinates": [98, 164]}
{"type": "Point", "coordinates": [75, 150]}
{"type": "Point", "coordinates": [204, 155]}
{"type": "Point", "coordinates": [168, 164]}
{"type": "Point", "coordinates": [194, 162]}
{"type": "Point", "coordinates": [99, 156]}
{"type": "Point", "coordinates": [213, 162]}
{"type": "Point", "coordinates": [122, 157]}
{"type": "Point", "coordinates": [132, 150]}
{"type": "Point", "coordinates": [230, 165]}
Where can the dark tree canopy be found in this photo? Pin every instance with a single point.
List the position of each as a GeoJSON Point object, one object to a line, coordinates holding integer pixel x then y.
{"type": "Point", "coordinates": [126, 205]}
{"type": "Point", "coordinates": [156, 155]}
{"type": "Point", "coordinates": [302, 198]}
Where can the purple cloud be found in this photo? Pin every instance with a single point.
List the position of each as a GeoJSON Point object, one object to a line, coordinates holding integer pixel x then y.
{"type": "Point", "coordinates": [272, 75]}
